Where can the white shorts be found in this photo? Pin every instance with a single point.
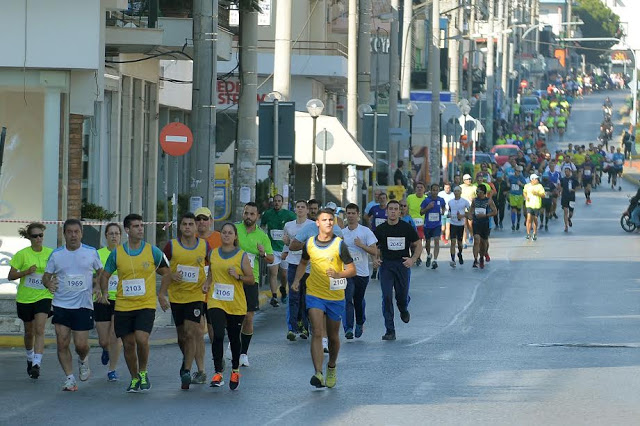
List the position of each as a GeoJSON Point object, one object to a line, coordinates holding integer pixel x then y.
{"type": "Point", "coordinates": [277, 260]}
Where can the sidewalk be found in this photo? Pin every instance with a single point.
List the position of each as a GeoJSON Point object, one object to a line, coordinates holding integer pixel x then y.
{"type": "Point", "coordinates": [632, 171]}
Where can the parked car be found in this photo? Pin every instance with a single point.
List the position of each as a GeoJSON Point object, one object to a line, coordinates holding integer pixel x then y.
{"type": "Point", "coordinates": [529, 104]}
{"type": "Point", "coordinates": [502, 153]}
{"type": "Point", "coordinates": [485, 157]}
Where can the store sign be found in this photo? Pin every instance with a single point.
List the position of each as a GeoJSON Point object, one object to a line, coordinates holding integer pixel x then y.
{"type": "Point", "coordinates": [620, 58]}
{"type": "Point", "coordinates": [380, 44]}
{"type": "Point", "coordinates": [229, 93]}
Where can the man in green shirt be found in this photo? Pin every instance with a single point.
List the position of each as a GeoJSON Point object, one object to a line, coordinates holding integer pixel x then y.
{"type": "Point", "coordinates": [254, 242]}
{"type": "Point", "coordinates": [273, 220]}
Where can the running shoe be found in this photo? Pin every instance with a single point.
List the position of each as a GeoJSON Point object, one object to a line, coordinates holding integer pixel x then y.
{"type": "Point", "coordinates": [331, 377]}
{"type": "Point", "coordinates": [546, 227]}
{"type": "Point", "coordinates": [134, 386]}
{"type": "Point", "coordinates": [234, 381]}
{"type": "Point", "coordinates": [35, 372]}
{"type": "Point", "coordinates": [84, 369]}
{"type": "Point", "coordinates": [291, 336]}
{"type": "Point", "coordinates": [274, 302]}
{"type": "Point", "coordinates": [389, 335]}
{"type": "Point", "coordinates": [405, 316]}
{"type": "Point", "coordinates": [481, 262]}
{"type": "Point", "coordinates": [518, 227]}
{"type": "Point", "coordinates": [112, 376]}
{"type": "Point", "coordinates": [283, 294]}
{"type": "Point", "coordinates": [434, 265]}
{"type": "Point", "coordinates": [217, 380]}
{"type": "Point", "coordinates": [244, 360]}
{"type": "Point", "coordinates": [418, 262]}
{"type": "Point", "coordinates": [304, 333]}
{"type": "Point", "coordinates": [475, 263]}
{"type": "Point", "coordinates": [185, 379]}
{"type": "Point", "coordinates": [359, 330]}
{"type": "Point", "coordinates": [105, 357]}
{"type": "Point", "coordinates": [199, 378]}
{"type": "Point", "coordinates": [349, 334]}
{"type": "Point", "coordinates": [317, 380]}
{"type": "Point", "coordinates": [566, 229]}
{"type": "Point", "coordinates": [70, 385]}
{"type": "Point", "coordinates": [528, 237]}
{"type": "Point", "coordinates": [570, 223]}
{"type": "Point", "coordinates": [428, 262]}
{"type": "Point", "coordinates": [513, 227]}
{"type": "Point", "coordinates": [29, 367]}
{"type": "Point", "coordinates": [325, 345]}
{"type": "Point", "coordinates": [487, 257]}
{"type": "Point", "coordinates": [452, 263]}
{"type": "Point", "coordinates": [535, 237]}
{"type": "Point", "coordinates": [145, 383]}
{"type": "Point", "coordinates": [460, 259]}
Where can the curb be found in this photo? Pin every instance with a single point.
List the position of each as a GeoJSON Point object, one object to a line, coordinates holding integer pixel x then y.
{"type": "Point", "coordinates": [631, 179]}
{"type": "Point", "coordinates": [17, 341]}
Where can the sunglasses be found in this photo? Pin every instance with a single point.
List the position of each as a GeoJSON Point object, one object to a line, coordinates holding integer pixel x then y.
{"type": "Point", "coordinates": [34, 236]}
{"type": "Point", "coordinates": [201, 218]}
{"type": "Point", "coordinates": [403, 205]}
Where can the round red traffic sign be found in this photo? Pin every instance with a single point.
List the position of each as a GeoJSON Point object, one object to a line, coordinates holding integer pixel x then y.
{"type": "Point", "coordinates": [524, 84]}
{"type": "Point", "coordinates": [176, 139]}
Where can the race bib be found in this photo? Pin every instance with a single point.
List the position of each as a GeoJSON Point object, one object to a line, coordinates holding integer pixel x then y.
{"type": "Point", "coordinates": [587, 172]}
{"type": "Point", "coordinates": [223, 292]}
{"type": "Point", "coordinates": [295, 253]}
{"type": "Point", "coordinates": [252, 259]}
{"type": "Point", "coordinates": [396, 243]}
{"type": "Point", "coordinates": [480, 210]}
{"type": "Point", "coordinates": [133, 288]}
{"type": "Point", "coordinates": [418, 221]}
{"type": "Point", "coordinates": [618, 162]}
{"type": "Point", "coordinates": [113, 283]}
{"type": "Point", "coordinates": [515, 187]}
{"type": "Point", "coordinates": [277, 234]}
{"type": "Point", "coordinates": [380, 221]}
{"type": "Point", "coordinates": [337, 284]}
{"type": "Point", "coordinates": [572, 204]}
{"type": "Point", "coordinates": [359, 257]}
{"type": "Point", "coordinates": [189, 274]}
{"type": "Point", "coordinates": [34, 281]}
{"type": "Point", "coordinates": [77, 283]}
{"type": "Point", "coordinates": [434, 217]}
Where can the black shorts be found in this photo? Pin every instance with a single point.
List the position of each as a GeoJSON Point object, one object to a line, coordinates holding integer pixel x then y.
{"type": "Point", "coordinates": [546, 203]}
{"type": "Point", "coordinates": [77, 319]}
{"type": "Point", "coordinates": [456, 232]}
{"type": "Point", "coordinates": [565, 203]}
{"type": "Point", "coordinates": [533, 212]}
{"type": "Point", "coordinates": [27, 311]}
{"type": "Point", "coordinates": [191, 311]}
{"type": "Point", "coordinates": [103, 313]}
{"type": "Point", "coordinates": [482, 230]}
{"type": "Point", "coordinates": [252, 294]}
{"type": "Point", "coordinates": [128, 322]}
{"type": "Point", "coordinates": [587, 181]}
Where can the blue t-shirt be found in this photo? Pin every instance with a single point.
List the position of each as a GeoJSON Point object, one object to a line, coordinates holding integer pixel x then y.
{"type": "Point", "coordinates": [554, 177]}
{"type": "Point", "coordinates": [378, 216]}
{"type": "Point", "coordinates": [369, 205]}
{"type": "Point", "coordinates": [618, 160]}
{"type": "Point", "coordinates": [433, 216]}
{"type": "Point", "coordinates": [410, 221]}
{"type": "Point", "coordinates": [158, 256]}
{"type": "Point", "coordinates": [514, 188]}
{"type": "Point", "coordinates": [311, 230]}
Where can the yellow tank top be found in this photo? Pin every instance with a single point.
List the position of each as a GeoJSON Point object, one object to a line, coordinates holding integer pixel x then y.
{"type": "Point", "coordinates": [321, 259]}
{"type": "Point", "coordinates": [226, 292]}
{"type": "Point", "coordinates": [113, 279]}
{"type": "Point", "coordinates": [189, 262]}
{"type": "Point", "coordinates": [137, 280]}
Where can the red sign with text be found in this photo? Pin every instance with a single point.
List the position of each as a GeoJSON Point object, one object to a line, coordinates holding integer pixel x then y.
{"type": "Point", "coordinates": [229, 93]}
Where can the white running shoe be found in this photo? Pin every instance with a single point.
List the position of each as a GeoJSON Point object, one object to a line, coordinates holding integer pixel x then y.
{"type": "Point", "coordinates": [452, 264]}
{"type": "Point", "coordinates": [70, 385]}
{"type": "Point", "coordinates": [85, 371]}
{"type": "Point", "coordinates": [244, 360]}
{"type": "Point", "coordinates": [325, 345]}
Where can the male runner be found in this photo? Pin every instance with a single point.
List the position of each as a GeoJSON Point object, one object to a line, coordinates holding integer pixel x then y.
{"type": "Point", "coordinates": [432, 207]}
{"type": "Point", "coordinates": [457, 210]}
{"type": "Point", "coordinates": [533, 193]}
{"type": "Point", "coordinates": [481, 211]}
{"type": "Point", "coordinates": [569, 184]}
{"type": "Point", "coordinates": [550, 191]}
{"type": "Point", "coordinates": [516, 199]}
{"type": "Point", "coordinates": [446, 194]}
{"type": "Point", "coordinates": [414, 201]}
{"type": "Point", "coordinates": [395, 239]}
{"type": "Point", "coordinates": [500, 198]}
{"type": "Point", "coordinates": [69, 276]}
{"type": "Point", "coordinates": [331, 265]}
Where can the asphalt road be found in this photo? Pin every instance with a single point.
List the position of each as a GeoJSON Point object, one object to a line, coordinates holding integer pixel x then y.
{"type": "Point", "coordinates": [547, 333]}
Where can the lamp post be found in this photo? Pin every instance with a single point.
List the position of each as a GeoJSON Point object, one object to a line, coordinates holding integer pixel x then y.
{"type": "Point", "coordinates": [465, 109]}
{"type": "Point", "coordinates": [366, 109]}
{"type": "Point", "coordinates": [442, 108]}
{"type": "Point", "coordinates": [275, 97]}
{"type": "Point", "coordinates": [314, 107]}
{"type": "Point", "coordinates": [411, 108]}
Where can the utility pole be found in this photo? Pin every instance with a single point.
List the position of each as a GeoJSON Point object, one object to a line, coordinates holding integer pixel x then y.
{"type": "Point", "coordinates": [407, 42]}
{"type": "Point", "coordinates": [435, 156]}
{"type": "Point", "coordinates": [203, 104]}
{"type": "Point", "coordinates": [472, 44]}
{"type": "Point", "coordinates": [352, 70]}
{"type": "Point", "coordinates": [394, 83]}
{"type": "Point", "coordinates": [505, 52]}
{"type": "Point", "coordinates": [246, 156]}
{"type": "Point", "coordinates": [490, 77]}
{"type": "Point", "coordinates": [454, 54]}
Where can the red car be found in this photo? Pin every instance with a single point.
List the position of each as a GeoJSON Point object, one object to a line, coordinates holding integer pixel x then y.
{"type": "Point", "coordinates": [503, 152]}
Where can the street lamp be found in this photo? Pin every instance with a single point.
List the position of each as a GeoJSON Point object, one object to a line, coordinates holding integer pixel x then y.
{"type": "Point", "coordinates": [364, 109]}
{"type": "Point", "coordinates": [411, 108]}
{"type": "Point", "coordinates": [275, 97]}
{"type": "Point", "coordinates": [465, 108]}
{"type": "Point", "coordinates": [314, 107]}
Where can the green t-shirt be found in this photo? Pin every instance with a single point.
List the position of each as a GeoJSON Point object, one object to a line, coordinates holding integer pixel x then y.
{"type": "Point", "coordinates": [113, 280]}
{"type": "Point", "coordinates": [249, 243]}
{"type": "Point", "coordinates": [31, 289]}
{"type": "Point", "coordinates": [274, 220]}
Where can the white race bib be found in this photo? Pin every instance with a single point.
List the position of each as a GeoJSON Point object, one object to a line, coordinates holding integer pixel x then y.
{"type": "Point", "coordinates": [570, 185]}
{"type": "Point", "coordinates": [618, 162]}
{"type": "Point", "coordinates": [76, 283]}
{"type": "Point", "coordinates": [337, 283]}
{"type": "Point", "coordinates": [223, 292]}
{"type": "Point", "coordinates": [189, 274]}
{"type": "Point", "coordinates": [434, 217]}
{"type": "Point", "coordinates": [113, 283]}
{"type": "Point", "coordinates": [587, 172]}
{"type": "Point", "coordinates": [396, 243]}
{"type": "Point", "coordinates": [572, 204]}
{"type": "Point", "coordinates": [34, 281]}
{"type": "Point", "coordinates": [295, 253]}
{"type": "Point", "coordinates": [359, 257]}
{"type": "Point", "coordinates": [277, 234]}
{"type": "Point", "coordinates": [252, 259]}
{"type": "Point", "coordinates": [133, 288]}
{"type": "Point", "coordinates": [515, 187]}
{"type": "Point", "coordinates": [418, 221]}
{"type": "Point", "coordinates": [480, 210]}
{"type": "Point", "coordinates": [380, 221]}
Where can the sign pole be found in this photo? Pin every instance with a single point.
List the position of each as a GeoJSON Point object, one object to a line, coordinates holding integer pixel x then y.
{"type": "Point", "coordinates": [175, 200]}
{"type": "Point", "coordinates": [324, 169]}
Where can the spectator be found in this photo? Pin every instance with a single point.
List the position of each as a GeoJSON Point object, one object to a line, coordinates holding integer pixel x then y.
{"type": "Point", "coordinates": [399, 178]}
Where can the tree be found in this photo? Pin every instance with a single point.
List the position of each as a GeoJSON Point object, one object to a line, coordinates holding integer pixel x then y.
{"type": "Point", "coordinates": [599, 21]}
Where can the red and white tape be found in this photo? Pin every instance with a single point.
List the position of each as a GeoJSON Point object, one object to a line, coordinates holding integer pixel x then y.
{"type": "Point", "coordinates": [60, 222]}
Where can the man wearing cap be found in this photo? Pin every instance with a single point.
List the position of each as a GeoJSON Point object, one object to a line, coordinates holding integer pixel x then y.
{"type": "Point", "coordinates": [469, 194]}
{"type": "Point", "coordinates": [516, 200]}
{"type": "Point", "coordinates": [533, 193]}
{"type": "Point", "coordinates": [274, 220]}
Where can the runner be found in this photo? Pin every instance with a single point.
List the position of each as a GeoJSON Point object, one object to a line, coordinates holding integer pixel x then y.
{"type": "Point", "coordinates": [469, 194]}
{"type": "Point", "coordinates": [104, 313]}
{"type": "Point", "coordinates": [331, 265]}
{"type": "Point", "coordinates": [404, 214]}
{"type": "Point", "coordinates": [516, 199]}
{"type": "Point", "coordinates": [618, 164]}
{"type": "Point", "coordinates": [550, 191]}
{"type": "Point", "coordinates": [457, 209]}
{"type": "Point", "coordinates": [414, 201]}
{"type": "Point", "coordinates": [588, 170]}
{"type": "Point", "coordinates": [378, 214]}
{"type": "Point", "coordinates": [432, 207]}
{"type": "Point", "coordinates": [361, 243]}
{"type": "Point", "coordinates": [273, 220]}
{"type": "Point", "coordinates": [500, 198]}
{"type": "Point", "coordinates": [255, 242]}
{"type": "Point", "coordinates": [188, 256]}
{"type": "Point", "coordinates": [367, 208]}
{"type": "Point", "coordinates": [481, 210]}
{"type": "Point", "coordinates": [297, 320]}
{"type": "Point", "coordinates": [69, 276]}
{"type": "Point", "coordinates": [230, 272]}
{"type": "Point", "coordinates": [447, 195]}
{"type": "Point", "coordinates": [137, 263]}
{"type": "Point", "coordinates": [33, 300]}
{"type": "Point", "coordinates": [395, 239]}
{"type": "Point", "coordinates": [568, 198]}
{"type": "Point", "coordinates": [533, 193]}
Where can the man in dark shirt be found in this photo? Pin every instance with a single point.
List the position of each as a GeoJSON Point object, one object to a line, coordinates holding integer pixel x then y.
{"type": "Point", "coordinates": [395, 238]}
{"type": "Point", "coordinates": [399, 178]}
{"type": "Point", "coordinates": [568, 199]}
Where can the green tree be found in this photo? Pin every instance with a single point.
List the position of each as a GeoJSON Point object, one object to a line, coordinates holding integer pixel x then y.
{"type": "Point", "coordinates": [599, 21]}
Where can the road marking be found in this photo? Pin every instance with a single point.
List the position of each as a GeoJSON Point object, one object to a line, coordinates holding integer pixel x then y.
{"type": "Point", "coordinates": [584, 345]}
{"type": "Point", "coordinates": [614, 317]}
{"type": "Point", "coordinates": [287, 412]}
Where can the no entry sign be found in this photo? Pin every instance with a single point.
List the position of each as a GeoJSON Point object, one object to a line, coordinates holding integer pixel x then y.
{"type": "Point", "coordinates": [176, 139]}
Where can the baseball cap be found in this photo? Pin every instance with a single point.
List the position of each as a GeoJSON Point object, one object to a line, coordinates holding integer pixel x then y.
{"type": "Point", "coordinates": [534, 176]}
{"type": "Point", "coordinates": [202, 211]}
{"type": "Point", "coordinates": [467, 176]}
{"type": "Point", "coordinates": [331, 205]}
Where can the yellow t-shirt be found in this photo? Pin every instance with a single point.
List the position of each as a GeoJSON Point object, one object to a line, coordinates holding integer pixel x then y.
{"type": "Point", "coordinates": [413, 203]}
{"type": "Point", "coordinates": [104, 253]}
{"type": "Point", "coordinates": [322, 259]}
{"type": "Point", "coordinates": [31, 289]}
{"type": "Point", "coordinates": [189, 262]}
{"type": "Point", "coordinates": [533, 195]}
{"type": "Point", "coordinates": [226, 293]}
{"type": "Point", "coordinates": [468, 192]}
{"type": "Point", "coordinates": [137, 280]}
{"type": "Point", "coordinates": [578, 159]}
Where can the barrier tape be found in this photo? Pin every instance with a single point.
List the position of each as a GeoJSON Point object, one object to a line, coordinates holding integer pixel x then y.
{"type": "Point", "coordinates": [60, 222]}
